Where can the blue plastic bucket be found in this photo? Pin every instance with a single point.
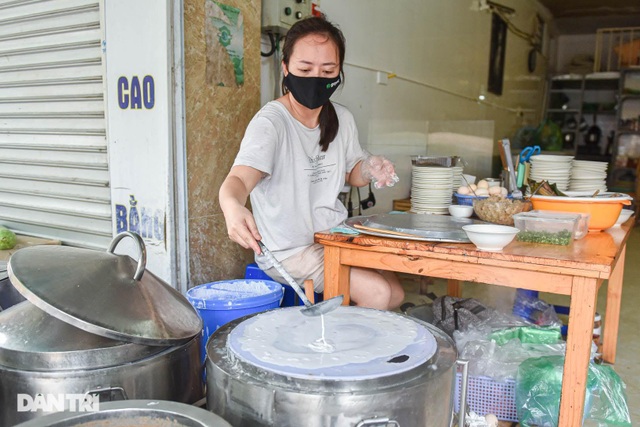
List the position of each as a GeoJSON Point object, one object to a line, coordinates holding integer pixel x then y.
{"type": "Point", "coordinates": [219, 303]}
{"type": "Point", "coordinates": [290, 298]}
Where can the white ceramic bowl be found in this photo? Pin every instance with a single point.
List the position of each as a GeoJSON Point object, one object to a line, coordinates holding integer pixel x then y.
{"type": "Point", "coordinates": [625, 214]}
{"type": "Point", "coordinates": [490, 237]}
{"type": "Point", "coordinates": [461, 211]}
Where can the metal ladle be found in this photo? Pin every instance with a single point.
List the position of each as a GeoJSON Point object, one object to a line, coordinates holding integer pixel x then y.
{"type": "Point", "coordinates": [309, 309]}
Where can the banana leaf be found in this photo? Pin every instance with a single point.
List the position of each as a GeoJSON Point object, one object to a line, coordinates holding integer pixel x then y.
{"type": "Point", "coordinates": [543, 188]}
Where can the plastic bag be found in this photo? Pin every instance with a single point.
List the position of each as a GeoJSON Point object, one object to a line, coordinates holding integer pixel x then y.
{"type": "Point", "coordinates": [488, 359]}
{"type": "Point", "coordinates": [538, 387]}
{"type": "Point", "coordinates": [527, 335]}
{"type": "Point", "coordinates": [451, 313]}
{"type": "Point", "coordinates": [534, 310]}
{"type": "Point", "coordinates": [549, 136]}
{"type": "Point", "coordinates": [498, 353]}
{"type": "Point", "coordinates": [609, 398]}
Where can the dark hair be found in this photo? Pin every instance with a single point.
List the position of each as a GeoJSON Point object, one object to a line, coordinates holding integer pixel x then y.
{"type": "Point", "coordinates": [316, 25]}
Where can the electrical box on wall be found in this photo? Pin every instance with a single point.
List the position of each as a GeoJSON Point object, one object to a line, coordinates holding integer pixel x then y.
{"type": "Point", "coordinates": [279, 15]}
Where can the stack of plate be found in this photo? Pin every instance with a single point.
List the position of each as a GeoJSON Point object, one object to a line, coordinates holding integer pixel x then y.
{"type": "Point", "coordinates": [457, 176]}
{"type": "Point", "coordinates": [553, 169]}
{"type": "Point", "coordinates": [588, 176]}
{"type": "Point", "coordinates": [431, 189]}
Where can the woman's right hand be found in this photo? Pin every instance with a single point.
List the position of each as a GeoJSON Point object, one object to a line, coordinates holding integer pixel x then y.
{"type": "Point", "coordinates": [234, 191]}
{"type": "Point", "coordinates": [241, 227]}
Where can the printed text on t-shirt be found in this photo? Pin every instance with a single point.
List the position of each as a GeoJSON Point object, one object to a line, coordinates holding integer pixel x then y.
{"type": "Point", "coordinates": [318, 170]}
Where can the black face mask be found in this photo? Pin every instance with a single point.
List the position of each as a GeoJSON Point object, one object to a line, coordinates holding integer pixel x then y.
{"type": "Point", "coordinates": [312, 92]}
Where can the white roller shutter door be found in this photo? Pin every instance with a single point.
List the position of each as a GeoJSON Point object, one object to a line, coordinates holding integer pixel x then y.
{"type": "Point", "coordinates": [54, 174]}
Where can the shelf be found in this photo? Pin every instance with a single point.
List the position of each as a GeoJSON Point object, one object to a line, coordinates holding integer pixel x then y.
{"type": "Point", "coordinates": [565, 90]}
{"type": "Point", "coordinates": [594, 157]}
{"type": "Point", "coordinates": [603, 112]}
{"type": "Point", "coordinates": [561, 110]}
{"type": "Point", "coordinates": [607, 85]}
{"type": "Point", "coordinates": [591, 100]}
{"type": "Point", "coordinates": [625, 97]}
{"type": "Point", "coordinates": [622, 131]}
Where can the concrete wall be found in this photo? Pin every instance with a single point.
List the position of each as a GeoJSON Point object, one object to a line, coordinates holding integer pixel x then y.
{"type": "Point", "coordinates": [440, 52]}
{"type": "Point", "coordinates": [216, 117]}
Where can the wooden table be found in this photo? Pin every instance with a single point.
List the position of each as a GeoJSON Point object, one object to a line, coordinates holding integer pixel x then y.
{"type": "Point", "coordinates": [576, 270]}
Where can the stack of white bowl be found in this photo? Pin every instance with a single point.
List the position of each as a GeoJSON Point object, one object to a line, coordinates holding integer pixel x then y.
{"type": "Point", "coordinates": [588, 176]}
{"type": "Point", "coordinates": [553, 169]}
{"type": "Point", "coordinates": [431, 189]}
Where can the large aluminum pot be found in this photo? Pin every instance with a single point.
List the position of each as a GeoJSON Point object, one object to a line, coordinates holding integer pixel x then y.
{"type": "Point", "coordinates": [148, 413]}
{"type": "Point", "coordinates": [9, 296]}
{"type": "Point", "coordinates": [94, 324]}
{"type": "Point", "coordinates": [248, 395]}
{"type": "Point", "coordinates": [42, 355]}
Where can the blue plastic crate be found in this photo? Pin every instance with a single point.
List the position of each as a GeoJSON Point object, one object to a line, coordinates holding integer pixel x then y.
{"type": "Point", "coordinates": [488, 396]}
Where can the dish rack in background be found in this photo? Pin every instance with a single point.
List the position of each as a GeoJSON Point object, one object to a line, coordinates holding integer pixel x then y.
{"type": "Point", "coordinates": [617, 48]}
{"type": "Point", "coordinates": [488, 396]}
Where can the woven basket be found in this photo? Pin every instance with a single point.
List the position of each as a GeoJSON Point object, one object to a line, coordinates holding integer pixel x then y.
{"type": "Point", "coordinates": [497, 210]}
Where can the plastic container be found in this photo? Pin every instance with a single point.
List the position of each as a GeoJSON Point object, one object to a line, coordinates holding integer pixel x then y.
{"type": "Point", "coordinates": [556, 228]}
{"type": "Point", "coordinates": [464, 199]}
{"type": "Point", "coordinates": [604, 209]}
{"type": "Point", "coordinates": [221, 302]}
{"type": "Point", "coordinates": [467, 199]}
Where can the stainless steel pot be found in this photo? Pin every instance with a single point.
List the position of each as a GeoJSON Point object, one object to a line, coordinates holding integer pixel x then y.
{"type": "Point", "coordinates": [94, 324]}
{"type": "Point", "coordinates": [9, 296]}
{"type": "Point", "coordinates": [43, 355]}
{"type": "Point", "coordinates": [148, 413]}
{"type": "Point", "coordinates": [248, 395]}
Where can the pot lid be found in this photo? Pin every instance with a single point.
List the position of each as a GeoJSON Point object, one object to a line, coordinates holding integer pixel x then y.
{"type": "Point", "coordinates": [30, 339]}
{"type": "Point", "coordinates": [125, 413]}
{"type": "Point", "coordinates": [104, 293]}
{"type": "Point", "coordinates": [349, 343]}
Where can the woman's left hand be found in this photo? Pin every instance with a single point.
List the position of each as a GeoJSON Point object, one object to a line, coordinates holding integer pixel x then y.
{"type": "Point", "coordinates": [380, 171]}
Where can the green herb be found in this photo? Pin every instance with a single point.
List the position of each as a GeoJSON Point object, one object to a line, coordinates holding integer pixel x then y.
{"type": "Point", "coordinates": [560, 238]}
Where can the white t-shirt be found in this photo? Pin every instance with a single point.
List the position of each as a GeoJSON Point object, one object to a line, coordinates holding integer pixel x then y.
{"type": "Point", "coordinates": [299, 194]}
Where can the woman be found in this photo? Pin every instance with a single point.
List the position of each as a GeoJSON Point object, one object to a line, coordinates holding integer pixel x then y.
{"type": "Point", "coordinates": [296, 155]}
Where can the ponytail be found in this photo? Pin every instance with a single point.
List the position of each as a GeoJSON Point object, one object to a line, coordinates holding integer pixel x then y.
{"type": "Point", "coordinates": [328, 125]}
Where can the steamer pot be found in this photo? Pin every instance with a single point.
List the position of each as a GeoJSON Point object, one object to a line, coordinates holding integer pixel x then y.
{"type": "Point", "coordinates": [248, 395]}
{"type": "Point", "coordinates": [148, 413]}
{"type": "Point", "coordinates": [95, 323]}
{"type": "Point", "coordinates": [9, 296]}
{"type": "Point", "coordinates": [42, 354]}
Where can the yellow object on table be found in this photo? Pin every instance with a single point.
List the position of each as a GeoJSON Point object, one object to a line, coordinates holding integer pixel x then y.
{"type": "Point", "coordinates": [25, 242]}
{"type": "Point", "coordinates": [403, 205]}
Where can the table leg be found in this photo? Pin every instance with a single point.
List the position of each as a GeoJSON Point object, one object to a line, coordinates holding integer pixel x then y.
{"type": "Point", "coordinates": [612, 313]}
{"type": "Point", "coordinates": [336, 275]}
{"type": "Point", "coordinates": [579, 339]}
{"type": "Point", "coordinates": [453, 288]}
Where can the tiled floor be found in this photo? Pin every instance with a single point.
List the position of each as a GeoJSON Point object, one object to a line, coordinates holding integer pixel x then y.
{"type": "Point", "coordinates": [627, 359]}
